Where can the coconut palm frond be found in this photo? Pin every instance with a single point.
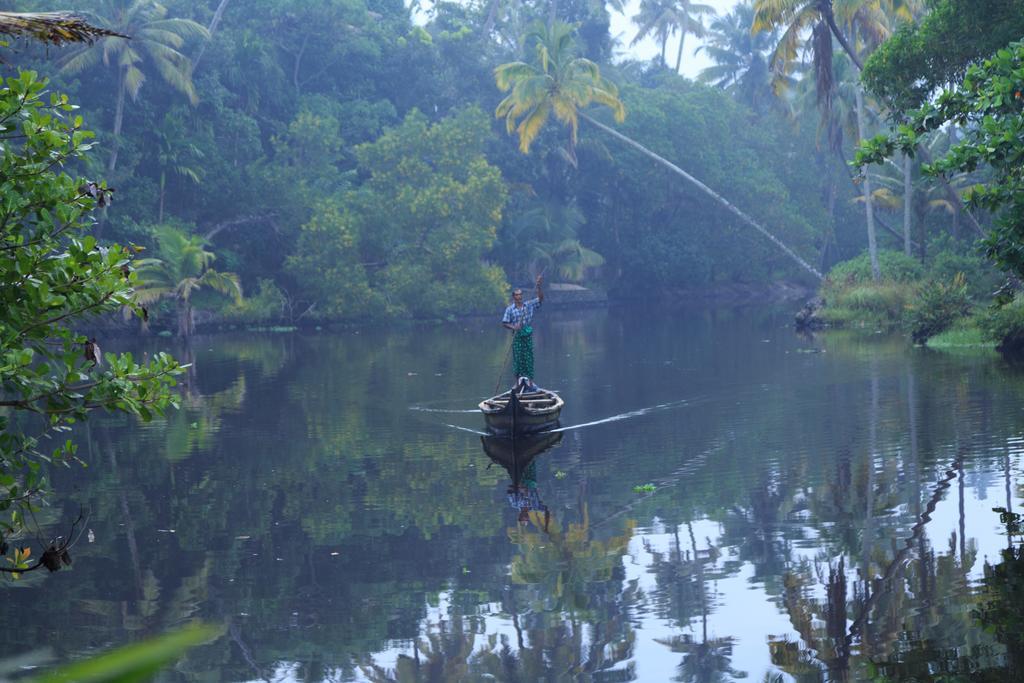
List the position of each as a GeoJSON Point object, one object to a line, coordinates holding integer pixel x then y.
{"type": "Point", "coordinates": [151, 294]}
{"type": "Point", "coordinates": [56, 28]}
{"type": "Point", "coordinates": [225, 283]}
{"type": "Point", "coordinates": [133, 80]}
{"type": "Point", "coordinates": [161, 37]}
{"type": "Point", "coordinates": [184, 28]}
{"type": "Point", "coordinates": [175, 69]}
{"type": "Point", "coordinates": [80, 60]}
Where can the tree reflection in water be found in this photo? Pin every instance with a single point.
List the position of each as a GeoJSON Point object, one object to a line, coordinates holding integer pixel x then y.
{"type": "Point", "coordinates": [567, 601]}
{"type": "Point", "coordinates": [396, 555]}
{"type": "Point", "coordinates": [682, 577]}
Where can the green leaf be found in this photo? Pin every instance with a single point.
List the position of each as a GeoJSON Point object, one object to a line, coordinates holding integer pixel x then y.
{"type": "Point", "coordinates": [135, 662]}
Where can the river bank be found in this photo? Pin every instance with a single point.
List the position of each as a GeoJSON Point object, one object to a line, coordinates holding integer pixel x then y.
{"type": "Point", "coordinates": [558, 296]}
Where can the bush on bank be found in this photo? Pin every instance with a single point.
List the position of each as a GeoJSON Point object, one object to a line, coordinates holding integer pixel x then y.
{"type": "Point", "coordinates": [934, 305]}
{"type": "Point", "coordinates": [923, 302]}
{"type": "Point", "coordinates": [854, 299]}
{"type": "Point", "coordinates": [1005, 325]}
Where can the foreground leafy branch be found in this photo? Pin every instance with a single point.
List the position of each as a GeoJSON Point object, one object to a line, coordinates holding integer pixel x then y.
{"type": "Point", "coordinates": [53, 276]}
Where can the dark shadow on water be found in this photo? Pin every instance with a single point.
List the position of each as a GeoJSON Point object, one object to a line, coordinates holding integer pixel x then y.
{"type": "Point", "coordinates": [516, 454]}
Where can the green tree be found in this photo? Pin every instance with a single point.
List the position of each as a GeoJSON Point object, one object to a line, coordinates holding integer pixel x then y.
{"type": "Point", "coordinates": [181, 267]}
{"type": "Point", "coordinates": [544, 237]}
{"type": "Point", "coordinates": [328, 266]}
{"type": "Point", "coordinates": [991, 97]}
{"type": "Point", "coordinates": [154, 38]}
{"type": "Point", "coordinates": [937, 51]}
{"type": "Point", "coordinates": [559, 82]}
{"type": "Point", "coordinates": [52, 276]}
{"type": "Point", "coordinates": [412, 239]}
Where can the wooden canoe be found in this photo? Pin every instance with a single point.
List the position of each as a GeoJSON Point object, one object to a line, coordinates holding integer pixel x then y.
{"type": "Point", "coordinates": [522, 411]}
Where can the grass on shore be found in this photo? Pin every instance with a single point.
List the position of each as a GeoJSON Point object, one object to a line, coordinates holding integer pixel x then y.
{"type": "Point", "coordinates": [963, 336]}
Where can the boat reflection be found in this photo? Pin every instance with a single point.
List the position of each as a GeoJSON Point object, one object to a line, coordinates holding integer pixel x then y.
{"type": "Point", "coordinates": [519, 458]}
{"type": "Point", "coordinates": [517, 454]}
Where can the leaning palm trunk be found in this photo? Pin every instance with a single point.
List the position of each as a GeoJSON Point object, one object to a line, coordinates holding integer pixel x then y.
{"type": "Point", "coordinates": [210, 30]}
{"type": "Point", "coordinates": [876, 272]}
{"type": "Point", "coordinates": [707, 190]}
{"type": "Point", "coordinates": [679, 54]}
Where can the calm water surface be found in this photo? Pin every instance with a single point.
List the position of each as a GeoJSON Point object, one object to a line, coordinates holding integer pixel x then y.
{"type": "Point", "coordinates": [727, 500]}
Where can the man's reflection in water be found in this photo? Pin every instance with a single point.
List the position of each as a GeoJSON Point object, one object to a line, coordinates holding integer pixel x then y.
{"type": "Point", "coordinates": [523, 496]}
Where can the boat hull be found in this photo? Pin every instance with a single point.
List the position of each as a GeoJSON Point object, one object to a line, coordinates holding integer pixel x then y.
{"type": "Point", "coordinates": [522, 413]}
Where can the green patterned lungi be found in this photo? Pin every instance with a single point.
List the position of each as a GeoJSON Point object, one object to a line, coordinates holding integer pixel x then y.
{"type": "Point", "coordinates": [522, 352]}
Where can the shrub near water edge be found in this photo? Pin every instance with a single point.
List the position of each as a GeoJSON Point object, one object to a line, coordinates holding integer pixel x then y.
{"type": "Point", "coordinates": [937, 306]}
{"type": "Point", "coordinates": [1005, 325]}
{"type": "Point", "coordinates": [853, 298]}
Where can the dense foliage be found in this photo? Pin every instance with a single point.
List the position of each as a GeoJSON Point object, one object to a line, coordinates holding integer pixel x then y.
{"type": "Point", "coordinates": [990, 100]}
{"type": "Point", "coordinates": [265, 132]}
{"type": "Point", "coordinates": [52, 276]}
{"type": "Point", "coordinates": [922, 58]}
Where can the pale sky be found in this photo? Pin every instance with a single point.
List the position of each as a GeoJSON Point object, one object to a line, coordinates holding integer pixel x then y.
{"type": "Point", "coordinates": [623, 29]}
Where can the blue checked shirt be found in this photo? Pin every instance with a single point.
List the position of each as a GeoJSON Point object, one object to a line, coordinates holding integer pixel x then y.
{"type": "Point", "coordinates": [522, 315]}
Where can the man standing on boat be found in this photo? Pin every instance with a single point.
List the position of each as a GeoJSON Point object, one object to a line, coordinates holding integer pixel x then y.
{"type": "Point", "coordinates": [517, 318]}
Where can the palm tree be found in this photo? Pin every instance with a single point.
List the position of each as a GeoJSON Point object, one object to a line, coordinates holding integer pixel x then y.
{"type": "Point", "coordinates": [175, 154]}
{"type": "Point", "coordinates": [56, 28]}
{"type": "Point", "coordinates": [897, 190]}
{"type": "Point", "coordinates": [182, 267]}
{"type": "Point", "coordinates": [559, 82]}
{"type": "Point", "coordinates": [709, 660]}
{"type": "Point", "coordinates": [545, 233]}
{"type": "Point", "coordinates": [688, 19]}
{"type": "Point", "coordinates": [655, 18]}
{"type": "Point", "coordinates": [155, 39]}
{"type": "Point", "coordinates": [739, 56]}
{"type": "Point", "coordinates": [794, 17]}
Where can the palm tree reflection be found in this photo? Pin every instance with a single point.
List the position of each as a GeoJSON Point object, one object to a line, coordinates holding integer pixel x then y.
{"type": "Point", "coordinates": [681, 577]}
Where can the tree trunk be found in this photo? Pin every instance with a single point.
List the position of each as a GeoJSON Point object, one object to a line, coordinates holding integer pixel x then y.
{"type": "Point", "coordinates": [825, 6]}
{"type": "Point", "coordinates": [664, 44]}
{"type": "Point", "coordinates": [492, 16]}
{"type": "Point", "coordinates": [707, 190]}
{"type": "Point", "coordinates": [552, 13]}
{"type": "Point", "coordinates": [163, 187]}
{"type": "Point", "coordinates": [908, 202]}
{"type": "Point", "coordinates": [186, 325]}
{"type": "Point", "coordinates": [118, 121]}
{"type": "Point", "coordinates": [876, 273]}
{"type": "Point", "coordinates": [298, 63]}
{"type": "Point", "coordinates": [209, 29]}
{"type": "Point", "coordinates": [679, 54]}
